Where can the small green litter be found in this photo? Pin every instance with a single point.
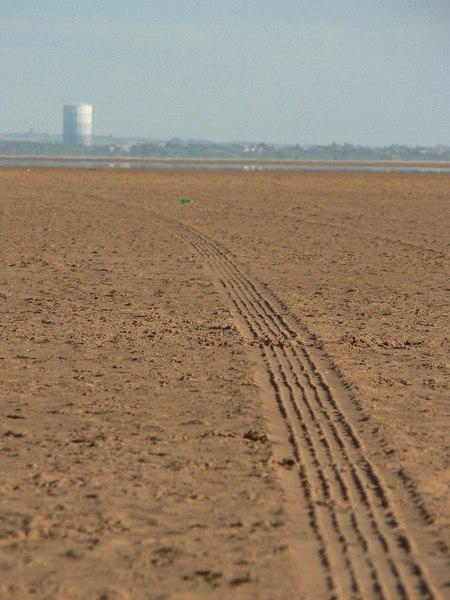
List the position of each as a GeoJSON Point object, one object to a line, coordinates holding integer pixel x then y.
{"type": "Point", "coordinates": [185, 200]}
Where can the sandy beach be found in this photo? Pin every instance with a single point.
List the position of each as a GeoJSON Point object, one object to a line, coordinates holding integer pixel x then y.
{"type": "Point", "coordinates": [241, 396]}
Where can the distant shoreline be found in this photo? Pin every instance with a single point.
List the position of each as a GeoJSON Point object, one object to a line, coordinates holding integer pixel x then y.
{"type": "Point", "coordinates": [246, 163]}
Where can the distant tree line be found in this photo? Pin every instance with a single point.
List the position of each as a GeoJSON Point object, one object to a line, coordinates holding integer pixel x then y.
{"type": "Point", "coordinates": [193, 149]}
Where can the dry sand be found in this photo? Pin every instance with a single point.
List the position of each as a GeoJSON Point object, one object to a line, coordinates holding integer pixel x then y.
{"type": "Point", "coordinates": [244, 396]}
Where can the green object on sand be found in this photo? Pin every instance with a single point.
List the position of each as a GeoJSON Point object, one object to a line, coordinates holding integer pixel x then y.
{"type": "Point", "coordinates": [184, 200]}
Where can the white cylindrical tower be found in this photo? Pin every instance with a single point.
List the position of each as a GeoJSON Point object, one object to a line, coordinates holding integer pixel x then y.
{"type": "Point", "coordinates": [77, 124]}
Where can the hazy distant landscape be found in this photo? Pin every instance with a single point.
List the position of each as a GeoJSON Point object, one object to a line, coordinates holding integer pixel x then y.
{"type": "Point", "coordinates": [41, 145]}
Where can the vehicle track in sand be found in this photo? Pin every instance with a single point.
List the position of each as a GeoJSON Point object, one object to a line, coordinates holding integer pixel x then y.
{"type": "Point", "coordinates": [363, 548]}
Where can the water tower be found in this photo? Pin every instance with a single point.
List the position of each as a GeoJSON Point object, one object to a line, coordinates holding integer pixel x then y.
{"type": "Point", "coordinates": [77, 124]}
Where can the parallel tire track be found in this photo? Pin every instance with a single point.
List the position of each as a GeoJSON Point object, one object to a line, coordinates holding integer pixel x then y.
{"type": "Point", "coordinates": [364, 552]}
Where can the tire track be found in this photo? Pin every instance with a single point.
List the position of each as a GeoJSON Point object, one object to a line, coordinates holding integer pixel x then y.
{"type": "Point", "coordinates": [364, 551]}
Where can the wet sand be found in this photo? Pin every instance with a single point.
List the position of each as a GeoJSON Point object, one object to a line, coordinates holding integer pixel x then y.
{"type": "Point", "coordinates": [243, 396]}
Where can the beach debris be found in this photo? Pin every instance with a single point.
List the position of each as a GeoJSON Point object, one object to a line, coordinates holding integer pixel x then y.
{"type": "Point", "coordinates": [255, 436]}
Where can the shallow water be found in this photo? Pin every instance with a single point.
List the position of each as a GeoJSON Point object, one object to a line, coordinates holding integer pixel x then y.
{"type": "Point", "coordinates": [245, 166]}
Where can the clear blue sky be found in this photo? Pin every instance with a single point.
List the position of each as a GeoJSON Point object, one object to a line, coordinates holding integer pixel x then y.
{"type": "Point", "coordinates": [371, 72]}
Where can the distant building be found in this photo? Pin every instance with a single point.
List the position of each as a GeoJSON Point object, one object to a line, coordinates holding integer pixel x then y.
{"type": "Point", "coordinates": [77, 124]}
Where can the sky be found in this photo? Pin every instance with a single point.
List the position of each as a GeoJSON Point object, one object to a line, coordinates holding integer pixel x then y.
{"type": "Point", "coordinates": [370, 72]}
